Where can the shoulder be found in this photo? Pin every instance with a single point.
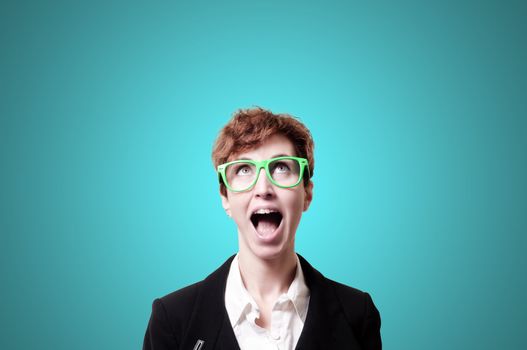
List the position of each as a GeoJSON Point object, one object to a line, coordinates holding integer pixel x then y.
{"type": "Point", "coordinates": [181, 299]}
{"type": "Point", "coordinates": [356, 304]}
{"type": "Point", "coordinates": [348, 296]}
{"type": "Point", "coordinates": [342, 303]}
{"type": "Point", "coordinates": [360, 313]}
{"type": "Point", "coordinates": [174, 310]}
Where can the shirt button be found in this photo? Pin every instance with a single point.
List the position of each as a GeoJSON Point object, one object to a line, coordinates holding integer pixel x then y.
{"type": "Point", "coordinates": [275, 335]}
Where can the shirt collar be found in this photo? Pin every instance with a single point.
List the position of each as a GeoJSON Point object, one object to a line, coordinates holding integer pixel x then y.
{"type": "Point", "coordinates": [298, 292]}
{"type": "Point", "coordinates": [238, 301]}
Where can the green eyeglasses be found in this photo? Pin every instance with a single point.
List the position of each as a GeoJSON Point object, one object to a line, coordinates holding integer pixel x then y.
{"type": "Point", "coordinates": [284, 172]}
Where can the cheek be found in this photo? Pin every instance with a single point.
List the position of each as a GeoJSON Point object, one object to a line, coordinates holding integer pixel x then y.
{"type": "Point", "coordinates": [239, 209]}
{"type": "Point", "coordinates": [296, 205]}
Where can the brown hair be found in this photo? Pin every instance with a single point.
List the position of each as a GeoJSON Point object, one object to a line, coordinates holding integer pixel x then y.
{"type": "Point", "coordinates": [249, 128]}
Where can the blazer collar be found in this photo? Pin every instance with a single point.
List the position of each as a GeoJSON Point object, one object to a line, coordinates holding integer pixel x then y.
{"type": "Point", "coordinates": [325, 322]}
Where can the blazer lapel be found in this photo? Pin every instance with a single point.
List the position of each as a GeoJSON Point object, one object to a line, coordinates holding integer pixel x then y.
{"type": "Point", "coordinates": [210, 321]}
{"type": "Point", "coordinates": [325, 326]}
{"type": "Point", "coordinates": [226, 338]}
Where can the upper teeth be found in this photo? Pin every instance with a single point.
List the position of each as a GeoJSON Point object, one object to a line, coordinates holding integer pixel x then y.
{"type": "Point", "coordinates": [265, 211]}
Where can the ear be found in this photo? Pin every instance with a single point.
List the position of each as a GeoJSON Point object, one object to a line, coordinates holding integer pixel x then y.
{"type": "Point", "coordinates": [226, 205]}
{"type": "Point", "coordinates": [309, 195]}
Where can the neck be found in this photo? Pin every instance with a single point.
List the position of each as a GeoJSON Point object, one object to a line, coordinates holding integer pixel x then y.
{"type": "Point", "coordinates": [265, 280]}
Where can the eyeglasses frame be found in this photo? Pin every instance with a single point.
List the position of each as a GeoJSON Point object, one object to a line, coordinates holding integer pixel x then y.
{"type": "Point", "coordinates": [265, 165]}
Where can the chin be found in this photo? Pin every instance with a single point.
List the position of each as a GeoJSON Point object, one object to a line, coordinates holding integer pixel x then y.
{"type": "Point", "coordinates": [268, 250]}
{"type": "Point", "coordinates": [269, 253]}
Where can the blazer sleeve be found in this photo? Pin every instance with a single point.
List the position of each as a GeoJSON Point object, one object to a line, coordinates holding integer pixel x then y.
{"type": "Point", "coordinates": [159, 335]}
{"type": "Point", "coordinates": [371, 327]}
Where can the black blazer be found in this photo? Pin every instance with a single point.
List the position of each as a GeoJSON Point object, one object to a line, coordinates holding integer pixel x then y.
{"type": "Point", "coordinates": [195, 318]}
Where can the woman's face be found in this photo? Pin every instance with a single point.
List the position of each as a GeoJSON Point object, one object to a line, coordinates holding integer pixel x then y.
{"type": "Point", "coordinates": [267, 216]}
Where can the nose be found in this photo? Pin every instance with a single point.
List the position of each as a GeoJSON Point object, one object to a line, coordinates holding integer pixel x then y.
{"type": "Point", "coordinates": [263, 187]}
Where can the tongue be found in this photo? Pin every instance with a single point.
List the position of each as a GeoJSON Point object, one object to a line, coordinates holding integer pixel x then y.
{"type": "Point", "coordinates": [266, 227]}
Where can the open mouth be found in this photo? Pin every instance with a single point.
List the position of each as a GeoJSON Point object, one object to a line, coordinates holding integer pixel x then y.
{"type": "Point", "coordinates": [266, 221]}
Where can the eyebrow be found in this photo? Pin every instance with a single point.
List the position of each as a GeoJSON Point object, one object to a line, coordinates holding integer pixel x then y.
{"type": "Point", "coordinates": [275, 156]}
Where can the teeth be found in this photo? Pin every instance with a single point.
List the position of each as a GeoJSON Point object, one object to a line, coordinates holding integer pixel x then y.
{"type": "Point", "coordinates": [265, 211]}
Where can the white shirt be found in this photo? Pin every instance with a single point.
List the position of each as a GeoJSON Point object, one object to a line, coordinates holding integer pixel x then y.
{"type": "Point", "coordinates": [287, 317]}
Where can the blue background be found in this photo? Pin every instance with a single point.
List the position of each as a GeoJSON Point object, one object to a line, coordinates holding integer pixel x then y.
{"type": "Point", "coordinates": [109, 198]}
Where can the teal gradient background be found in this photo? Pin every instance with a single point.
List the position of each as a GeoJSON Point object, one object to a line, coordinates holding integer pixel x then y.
{"type": "Point", "coordinates": [109, 198]}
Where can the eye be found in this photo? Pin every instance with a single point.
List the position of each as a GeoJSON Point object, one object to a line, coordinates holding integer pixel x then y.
{"type": "Point", "coordinates": [281, 167]}
{"type": "Point", "coordinates": [243, 170]}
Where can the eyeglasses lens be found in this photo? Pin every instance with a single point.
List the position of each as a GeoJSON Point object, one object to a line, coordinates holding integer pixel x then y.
{"type": "Point", "coordinates": [285, 172]}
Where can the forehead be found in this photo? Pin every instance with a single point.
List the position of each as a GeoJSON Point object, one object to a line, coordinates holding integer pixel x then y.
{"type": "Point", "coordinates": [274, 146]}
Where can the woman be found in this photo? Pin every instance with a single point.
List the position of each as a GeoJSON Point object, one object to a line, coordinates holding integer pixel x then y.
{"type": "Point", "coordinates": [266, 296]}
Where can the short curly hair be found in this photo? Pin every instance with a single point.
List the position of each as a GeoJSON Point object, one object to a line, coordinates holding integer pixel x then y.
{"type": "Point", "coordinates": [249, 128]}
